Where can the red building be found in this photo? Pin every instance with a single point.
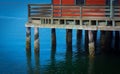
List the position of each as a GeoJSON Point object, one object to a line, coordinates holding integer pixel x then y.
{"type": "Point", "coordinates": [65, 9]}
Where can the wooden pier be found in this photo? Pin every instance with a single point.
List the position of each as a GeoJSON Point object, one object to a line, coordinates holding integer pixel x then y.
{"type": "Point", "coordinates": [89, 18]}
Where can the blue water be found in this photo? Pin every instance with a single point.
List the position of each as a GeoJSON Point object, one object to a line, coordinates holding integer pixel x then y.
{"type": "Point", "coordinates": [15, 60]}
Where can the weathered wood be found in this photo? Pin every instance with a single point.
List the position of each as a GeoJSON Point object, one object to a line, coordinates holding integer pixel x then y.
{"type": "Point", "coordinates": [102, 41]}
{"type": "Point", "coordinates": [71, 26]}
{"type": "Point", "coordinates": [108, 41]}
{"type": "Point", "coordinates": [36, 39]}
{"type": "Point", "coordinates": [91, 43]}
{"type": "Point", "coordinates": [53, 38]}
{"type": "Point", "coordinates": [79, 36]}
{"type": "Point", "coordinates": [69, 38]}
{"type": "Point", "coordinates": [86, 41]}
{"type": "Point", "coordinates": [28, 38]}
{"type": "Point", "coordinates": [117, 41]}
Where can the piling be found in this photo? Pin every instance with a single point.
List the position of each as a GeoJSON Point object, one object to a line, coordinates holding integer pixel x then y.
{"type": "Point", "coordinates": [53, 36]}
{"type": "Point", "coordinates": [102, 41]}
{"type": "Point", "coordinates": [108, 41]}
{"type": "Point", "coordinates": [79, 36]}
{"type": "Point", "coordinates": [117, 41]}
{"type": "Point", "coordinates": [69, 38]}
{"type": "Point", "coordinates": [36, 39]}
{"type": "Point", "coordinates": [91, 43]}
{"type": "Point", "coordinates": [86, 41]}
{"type": "Point", "coordinates": [28, 38]}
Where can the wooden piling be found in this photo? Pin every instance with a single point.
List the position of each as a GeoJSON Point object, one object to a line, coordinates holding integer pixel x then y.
{"type": "Point", "coordinates": [36, 39]}
{"type": "Point", "coordinates": [86, 41]}
{"type": "Point", "coordinates": [53, 36]}
{"type": "Point", "coordinates": [102, 41]}
{"type": "Point", "coordinates": [108, 41]}
{"type": "Point", "coordinates": [69, 38]}
{"type": "Point", "coordinates": [91, 44]}
{"type": "Point", "coordinates": [79, 36]}
{"type": "Point", "coordinates": [28, 38]}
{"type": "Point", "coordinates": [117, 41]}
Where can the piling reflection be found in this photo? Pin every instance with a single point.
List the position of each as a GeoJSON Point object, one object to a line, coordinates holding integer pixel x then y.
{"type": "Point", "coordinates": [53, 61]}
{"type": "Point", "coordinates": [68, 61]}
{"type": "Point", "coordinates": [79, 40]}
{"type": "Point", "coordinates": [37, 64]}
{"type": "Point", "coordinates": [91, 65]}
{"type": "Point", "coordinates": [29, 64]}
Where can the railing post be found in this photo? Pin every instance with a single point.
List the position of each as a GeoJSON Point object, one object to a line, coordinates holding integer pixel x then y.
{"type": "Point", "coordinates": [52, 14]}
{"type": "Point", "coordinates": [111, 8]}
{"type": "Point", "coordinates": [28, 10]}
{"type": "Point", "coordinates": [80, 15]}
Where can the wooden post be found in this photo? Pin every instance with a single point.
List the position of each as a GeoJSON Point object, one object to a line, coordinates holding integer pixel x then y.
{"type": "Point", "coordinates": [91, 44]}
{"type": "Point", "coordinates": [108, 41]}
{"type": "Point", "coordinates": [79, 36]}
{"type": "Point", "coordinates": [117, 41]}
{"type": "Point", "coordinates": [69, 38]}
{"type": "Point", "coordinates": [36, 39]}
{"type": "Point", "coordinates": [53, 36]}
{"type": "Point", "coordinates": [102, 41]}
{"type": "Point", "coordinates": [86, 41]}
{"type": "Point", "coordinates": [28, 38]}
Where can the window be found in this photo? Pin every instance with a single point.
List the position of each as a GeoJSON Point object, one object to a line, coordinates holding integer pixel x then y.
{"type": "Point", "coordinates": [80, 2]}
{"type": "Point", "coordinates": [115, 2]}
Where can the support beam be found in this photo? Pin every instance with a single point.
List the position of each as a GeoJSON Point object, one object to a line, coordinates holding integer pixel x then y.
{"type": "Point", "coordinates": [28, 38]}
{"type": "Point", "coordinates": [102, 41]}
{"type": "Point", "coordinates": [91, 44]}
{"type": "Point", "coordinates": [53, 36]}
{"type": "Point", "coordinates": [36, 39]}
{"type": "Point", "coordinates": [86, 41]}
{"type": "Point", "coordinates": [79, 36]}
{"type": "Point", "coordinates": [69, 38]}
{"type": "Point", "coordinates": [108, 41]}
{"type": "Point", "coordinates": [117, 41]}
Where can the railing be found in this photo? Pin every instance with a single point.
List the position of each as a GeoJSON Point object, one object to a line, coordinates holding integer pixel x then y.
{"type": "Point", "coordinates": [48, 10]}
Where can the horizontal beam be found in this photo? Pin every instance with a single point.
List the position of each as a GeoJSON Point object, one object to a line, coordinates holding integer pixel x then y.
{"type": "Point", "coordinates": [83, 27]}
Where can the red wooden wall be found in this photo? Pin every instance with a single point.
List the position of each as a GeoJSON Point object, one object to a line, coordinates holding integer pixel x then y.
{"type": "Point", "coordinates": [95, 2]}
{"type": "Point", "coordinates": [65, 12]}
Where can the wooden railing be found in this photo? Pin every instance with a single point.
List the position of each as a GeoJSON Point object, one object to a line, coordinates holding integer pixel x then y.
{"type": "Point", "coordinates": [48, 10]}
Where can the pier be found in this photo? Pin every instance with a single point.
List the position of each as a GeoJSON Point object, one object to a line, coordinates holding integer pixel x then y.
{"type": "Point", "coordinates": [88, 18]}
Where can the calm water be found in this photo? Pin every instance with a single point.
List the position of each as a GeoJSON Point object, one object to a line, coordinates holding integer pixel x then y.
{"type": "Point", "coordinates": [15, 60]}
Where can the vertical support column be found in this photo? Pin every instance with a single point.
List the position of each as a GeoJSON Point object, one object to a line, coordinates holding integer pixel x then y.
{"type": "Point", "coordinates": [79, 36]}
{"type": "Point", "coordinates": [117, 40]}
{"type": "Point", "coordinates": [108, 41]}
{"type": "Point", "coordinates": [102, 41]}
{"type": "Point", "coordinates": [69, 38]}
{"type": "Point", "coordinates": [36, 39]}
{"type": "Point", "coordinates": [28, 38]}
{"type": "Point", "coordinates": [95, 38]}
{"type": "Point", "coordinates": [53, 36]}
{"type": "Point", "coordinates": [86, 41]}
{"type": "Point", "coordinates": [91, 44]}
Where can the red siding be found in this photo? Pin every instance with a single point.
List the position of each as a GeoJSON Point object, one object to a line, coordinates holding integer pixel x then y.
{"type": "Point", "coordinates": [56, 1]}
{"type": "Point", "coordinates": [95, 2]}
{"type": "Point", "coordinates": [68, 2]}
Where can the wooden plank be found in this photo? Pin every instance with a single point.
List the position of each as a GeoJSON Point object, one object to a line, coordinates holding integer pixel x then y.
{"type": "Point", "coordinates": [104, 28]}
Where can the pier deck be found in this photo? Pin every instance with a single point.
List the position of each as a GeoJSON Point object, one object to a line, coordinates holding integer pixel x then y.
{"type": "Point", "coordinates": [75, 17]}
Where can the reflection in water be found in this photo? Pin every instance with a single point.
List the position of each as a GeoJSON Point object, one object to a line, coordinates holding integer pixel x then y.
{"type": "Point", "coordinates": [53, 61]}
{"type": "Point", "coordinates": [68, 62]}
{"type": "Point", "coordinates": [91, 63]}
{"type": "Point", "coordinates": [37, 64]}
{"type": "Point", "coordinates": [29, 64]}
